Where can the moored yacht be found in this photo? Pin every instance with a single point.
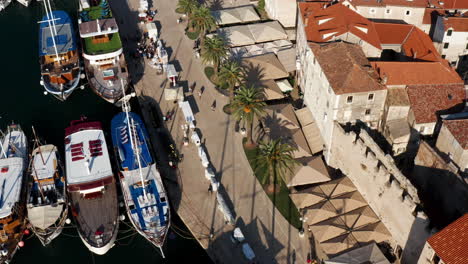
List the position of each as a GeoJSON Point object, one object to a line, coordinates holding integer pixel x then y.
{"type": "Point", "coordinates": [58, 52]}
{"type": "Point", "coordinates": [144, 194]}
{"type": "Point", "coordinates": [105, 64]}
{"type": "Point", "coordinates": [47, 202]}
{"type": "Point", "coordinates": [4, 4]}
{"type": "Point", "coordinates": [13, 163]}
{"type": "Point", "coordinates": [91, 186]}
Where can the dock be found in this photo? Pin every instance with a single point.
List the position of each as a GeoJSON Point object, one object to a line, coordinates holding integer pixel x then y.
{"type": "Point", "coordinates": [269, 234]}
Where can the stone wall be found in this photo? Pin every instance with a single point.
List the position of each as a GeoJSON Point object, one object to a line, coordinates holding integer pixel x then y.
{"type": "Point", "coordinates": [389, 193]}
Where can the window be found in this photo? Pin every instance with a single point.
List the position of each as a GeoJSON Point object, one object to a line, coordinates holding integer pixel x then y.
{"type": "Point", "coordinates": [449, 32]}
{"type": "Point", "coordinates": [466, 46]}
{"type": "Point", "coordinates": [367, 111]}
{"type": "Point", "coordinates": [328, 105]}
{"type": "Point", "coordinates": [349, 99]}
{"type": "Point", "coordinates": [324, 116]}
{"type": "Point", "coordinates": [446, 45]}
{"type": "Point", "coordinates": [372, 11]}
{"type": "Point", "coordinates": [443, 56]}
{"type": "Point", "coordinates": [388, 11]}
{"type": "Point", "coordinates": [453, 63]}
{"type": "Point", "coordinates": [408, 12]}
{"type": "Point", "coordinates": [370, 97]}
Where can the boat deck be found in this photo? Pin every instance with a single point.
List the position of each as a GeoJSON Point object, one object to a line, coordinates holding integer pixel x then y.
{"type": "Point", "coordinates": [106, 79]}
{"type": "Point", "coordinates": [97, 217]}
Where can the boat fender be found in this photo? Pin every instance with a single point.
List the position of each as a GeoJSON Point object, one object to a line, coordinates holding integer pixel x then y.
{"type": "Point", "coordinates": [68, 221]}
{"type": "Point", "coordinates": [121, 204]}
{"type": "Point", "coordinates": [4, 252]}
{"type": "Point", "coordinates": [26, 231]}
{"type": "Point", "coordinates": [41, 82]}
{"type": "Point", "coordinates": [45, 93]}
{"type": "Point", "coordinates": [122, 217]}
{"type": "Point", "coordinates": [21, 244]}
{"type": "Point", "coordinates": [82, 76]}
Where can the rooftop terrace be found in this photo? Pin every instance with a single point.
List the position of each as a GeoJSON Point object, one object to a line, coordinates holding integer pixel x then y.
{"type": "Point", "coordinates": [94, 48]}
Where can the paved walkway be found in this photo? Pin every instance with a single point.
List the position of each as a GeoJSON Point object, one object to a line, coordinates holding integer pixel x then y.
{"type": "Point", "coordinates": [269, 234]}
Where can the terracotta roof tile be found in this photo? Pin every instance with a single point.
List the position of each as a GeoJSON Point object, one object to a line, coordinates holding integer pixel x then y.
{"type": "Point", "coordinates": [456, 23]}
{"type": "Point", "coordinates": [459, 129]}
{"type": "Point", "coordinates": [415, 73]}
{"type": "Point", "coordinates": [320, 23]}
{"type": "Point", "coordinates": [418, 45]}
{"type": "Point", "coordinates": [430, 15]}
{"type": "Point", "coordinates": [346, 68]}
{"type": "Point", "coordinates": [390, 33]}
{"type": "Point", "coordinates": [451, 243]}
{"type": "Point", "coordinates": [450, 4]}
{"type": "Point", "coordinates": [414, 3]}
{"type": "Point", "coordinates": [426, 101]}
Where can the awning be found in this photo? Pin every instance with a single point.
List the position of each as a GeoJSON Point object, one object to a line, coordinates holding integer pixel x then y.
{"type": "Point", "coordinates": [284, 85]}
{"type": "Point", "coordinates": [271, 90]}
{"type": "Point", "coordinates": [267, 65]}
{"type": "Point", "coordinates": [311, 170]}
{"type": "Point", "coordinates": [366, 254]}
{"type": "Point", "coordinates": [187, 111]}
{"type": "Point", "coordinates": [174, 93]}
{"type": "Point", "coordinates": [287, 57]}
{"type": "Point", "coordinates": [267, 31]}
{"type": "Point", "coordinates": [310, 129]}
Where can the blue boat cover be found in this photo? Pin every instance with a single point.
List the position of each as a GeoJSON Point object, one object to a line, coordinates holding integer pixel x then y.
{"type": "Point", "coordinates": [65, 40]}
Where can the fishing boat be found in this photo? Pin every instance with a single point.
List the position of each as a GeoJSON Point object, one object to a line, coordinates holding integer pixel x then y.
{"type": "Point", "coordinates": [47, 202]}
{"type": "Point", "coordinates": [4, 4]}
{"type": "Point", "coordinates": [146, 200]}
{"type": "Point", "coordinates": [105, 64]}
{"type": "Point", "coordinates": [58, 53]}
{"type": "Point", "coordinates": [91, 186]}
{"type": "Point", "coordinates": [13, 163]}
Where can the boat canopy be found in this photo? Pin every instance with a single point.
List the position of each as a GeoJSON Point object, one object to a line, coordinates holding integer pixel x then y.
{"type": "Point", "coordinates": [44, 216]}
{"type": "Point", "coordinates": [11, 175]}
{"type": "Point", "coordinates": [64, 38]}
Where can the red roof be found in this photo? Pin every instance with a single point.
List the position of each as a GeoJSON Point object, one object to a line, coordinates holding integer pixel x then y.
{"type": "Point", "coordinates": [456, 23]}
{"type": "Point", "coordinates": [431, 13]}
{"type": "Point", "coordinates": [451, 243]}
{"type": "Point", "coordinates": [416, 73]}
{"type": "Point", "coordinates": [427, 101]}
{"type": "Point", "coordinates": [390, 33]}
{"type": "Point", "coordinates": [459, 129]}
{"type": "Point", "coordinates": [450, 4]}
{"type": "Point", "coordinates": [413, 3]}
{"type": "Point", "coordinates": [418, 45]}
{"type": "Point", "coordinates": [323, 24]}
{"type": "Point", "coordinates": [346, 68]}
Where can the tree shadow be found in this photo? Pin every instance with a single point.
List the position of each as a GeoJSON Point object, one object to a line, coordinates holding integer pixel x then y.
{"type": "Point", "coordinates": [254, 74]}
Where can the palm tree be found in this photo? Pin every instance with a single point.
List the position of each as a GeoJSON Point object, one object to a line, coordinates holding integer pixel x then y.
{"type": "Point", "coordinates": [247, 105]}
{"type": "Point", "coordinates": [278, 158]}
{"type": "Point", "coordinates": [231, 73]}
{"type": "Point", "coordinates": [202, 20]}
{"type": "Point", "coordinates": [214, 50]}
{"type": "Point", "coordinates": [187, 7]}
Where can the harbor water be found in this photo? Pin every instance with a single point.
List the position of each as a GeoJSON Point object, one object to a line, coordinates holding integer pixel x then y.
{"type": "Point", "coordinates": [23, 102]}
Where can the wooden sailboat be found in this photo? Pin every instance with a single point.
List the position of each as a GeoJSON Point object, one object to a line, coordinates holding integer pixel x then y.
{"type": "Point", "coordinates": [47, 203]}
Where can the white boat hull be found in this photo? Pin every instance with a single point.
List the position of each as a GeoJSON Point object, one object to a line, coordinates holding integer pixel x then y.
{"type": "Point", "coordinates": [101, 250]}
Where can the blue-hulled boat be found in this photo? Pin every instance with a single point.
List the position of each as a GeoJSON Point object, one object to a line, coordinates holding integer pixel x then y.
{"type": "Point", "coordinates": [145, 198]}
{"type": "Point", "coordinates": [59, 58]}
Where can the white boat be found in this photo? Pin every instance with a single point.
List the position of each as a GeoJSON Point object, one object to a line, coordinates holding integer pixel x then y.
{"type": "Point", "coordinates": [91, 186]}
{"type": "Point", "coordinates": [4, 4]}
{"type": "Point", "coordinates": [47, 203]}
{"type": "Point", "coordinates": [24, 2]}
{"type": "Point", "coordinates": [13, 162]}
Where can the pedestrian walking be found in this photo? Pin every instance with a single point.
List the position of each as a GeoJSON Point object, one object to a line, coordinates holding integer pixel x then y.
{"type": "Point", "coordinates": [199, 94]}
{"type": "Point", "coordinates": [213, 105]}
{"type": "Point", "coordinates": [210, 189]}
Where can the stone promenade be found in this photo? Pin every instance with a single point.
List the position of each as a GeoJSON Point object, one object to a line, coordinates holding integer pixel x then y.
{"type": "Point", "coordinates": [266, 230]}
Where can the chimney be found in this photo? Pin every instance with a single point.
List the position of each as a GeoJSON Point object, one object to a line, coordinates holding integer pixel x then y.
{"type": "Point", "coordinates": [415, 54]}
{"type": "Point", "coordinates": [306, 22]}
{"type": "Point", "coordinates": [384, 79]}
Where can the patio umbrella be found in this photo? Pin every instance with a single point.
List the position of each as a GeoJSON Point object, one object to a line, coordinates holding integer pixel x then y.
{"type": "Point", "coordinates": [338, 187]}
{"type": "Point", "coordinates": [348, 202]}
{"type": "Point", "coordinates": [319, 212]}
{"type": "Point", "coordinates": [307, 197]}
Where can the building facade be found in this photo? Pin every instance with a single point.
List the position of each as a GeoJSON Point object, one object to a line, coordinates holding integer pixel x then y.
{"type": "Point", "coordinates": [453, 142]}
{"type": "Point", "coordinates": [282, 10]}
{"type": "Point", "coordinates": [451, 37]}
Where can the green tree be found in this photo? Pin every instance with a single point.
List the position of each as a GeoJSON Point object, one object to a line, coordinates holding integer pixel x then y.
{"type": "Point", "coordinates": [247, 105]}
{"type": "Point", "coordinates": [202, 21]}
{"type": "Point", "coordinates": [214, 50]}
{"type": "Point", "coordinates": [278, 158]}
{"type": "Point", "coordinates": [187, 7]}
{"type": "Point", "coordinates": [231, 73]}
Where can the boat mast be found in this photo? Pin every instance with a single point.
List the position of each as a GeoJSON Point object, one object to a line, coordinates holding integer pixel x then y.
{"type": "Point", "coordinates": [126, 109]}
{"type": "Point", "coordinates": [50, 28]}
{"type": "Point", "coordinates": [38, 145]}
{"type": "Point", "coordinates": [36, 179]}
{"type": "Point", "coordinates": [52, 17]}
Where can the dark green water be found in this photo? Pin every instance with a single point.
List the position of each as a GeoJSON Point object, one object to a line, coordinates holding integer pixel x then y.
{"type": "Point", "coordinates": [23, 102]}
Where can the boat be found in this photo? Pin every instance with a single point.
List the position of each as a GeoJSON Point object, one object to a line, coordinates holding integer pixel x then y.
{"type": "Point", "coordinates": [58, 53]}
{"type": "Point", "coordinates": [91, 187]}
{"type": "Point", "coordinates": [145, 198]}
{"type": "Point", "coordinates": [24, 2]}
{"type": "Point", "coordinates": [4, 4]}
{"type": "Point", "coordinates": [104, 60]}
{"type": "Point", "coordinates": [13, 163]}
{"type": "Point", "coordinates": [47, 202]}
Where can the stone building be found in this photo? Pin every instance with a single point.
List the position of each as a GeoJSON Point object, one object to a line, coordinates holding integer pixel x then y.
{"type": "Point", "coordinates": [339, 84]}
{"type": "Point", "coordinates": [453, 142]}
{"type": "Point", "coordinates": [448, 246]}
{"type": "Point", "coordinates": [282, 10]}
{"type": "Point", "coordinates": [451, 37]}
{"type": "Point", "coordinates": [433, 89]}
{"type": "Point", "coordinates": [395, 120]}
